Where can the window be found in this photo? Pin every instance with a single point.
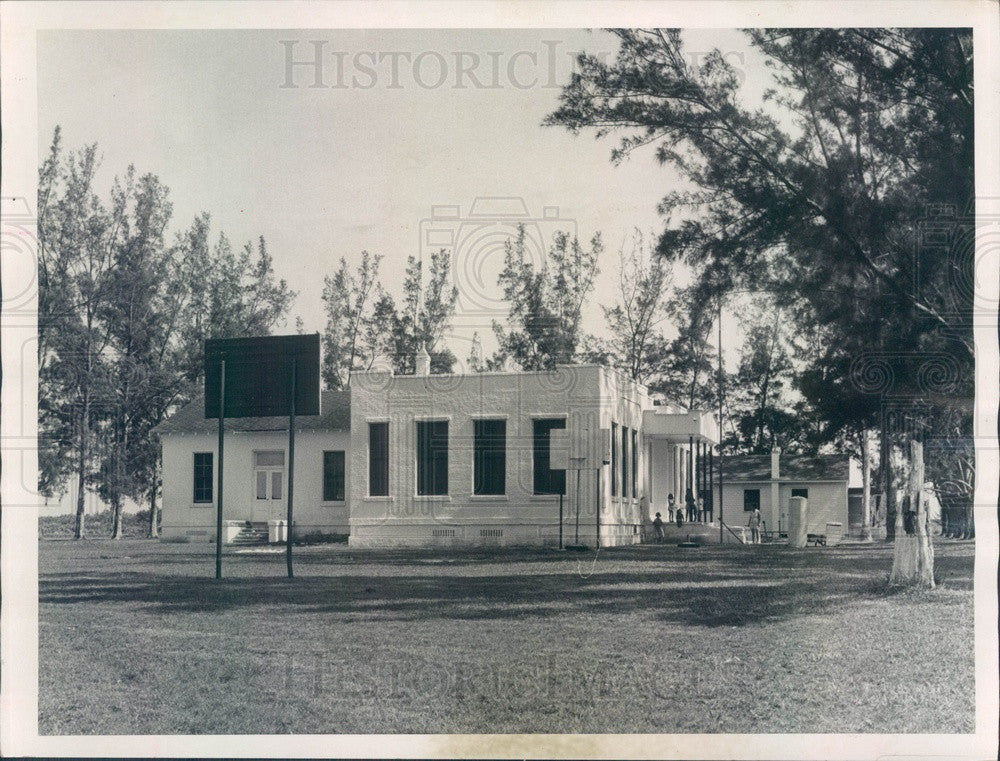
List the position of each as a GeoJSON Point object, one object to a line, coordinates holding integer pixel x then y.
{"type": "Point", "coordinates": [432, 457]}
{"type": "Point", "coordinates": [489, 456]}
{"type": "Point", "coordinates": [202, 476]}
{"type": "Point", "coordinates": [378, 459]}
{"type": "Point", "coordinates": [751, 499]}
{"type": "Point", "coordinates": [614, 459]}
{"type": "Point", "coordinates": [269, 474]}
{"type": "Point", "coordinates": [635, 462]}
{"type": "Point", "coordinates": [333, 476]}
{"type": "Point", "coordinates": [800, 493]}
{"type": "Point", "coordinates": [547, 481]}
{"type": "Point", "coordinates": [624, 461]}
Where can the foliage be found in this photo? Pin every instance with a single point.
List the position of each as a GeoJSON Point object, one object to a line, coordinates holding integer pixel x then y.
{"type": "Point", "coordinates": [123, 316]}
{"type": "Point", "coordinates": [543, 322]}
{"type": "Point", "coordinates": [364, 325]}
{"type": "Point", "coordinates": [424, 316]}
{"type": "Point", "coordinates": [351, 301]}
{"type": "Point", "coordinates": [866, 139]}
{"type": "Point", "coordinates": [635, 320]}
{"type": "Point", "coordinates": [688, 361]}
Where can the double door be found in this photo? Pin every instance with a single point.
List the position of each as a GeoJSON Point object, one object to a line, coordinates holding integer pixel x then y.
{"type": "Point", "coordinates": [269, 485]}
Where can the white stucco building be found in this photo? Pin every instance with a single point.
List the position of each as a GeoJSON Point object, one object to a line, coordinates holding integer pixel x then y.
{"type": "Point", "coordinates": [255, 474]}
{"type": "Point", "coordinates": [446, 459]}
{"type": "Point", "coordinates": [769, 481]}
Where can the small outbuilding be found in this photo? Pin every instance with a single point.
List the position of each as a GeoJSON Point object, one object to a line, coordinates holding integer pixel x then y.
{"type": "Point", "coordinates": [255, 480]}
{"type": "Point", "coordinates": [769, 481]}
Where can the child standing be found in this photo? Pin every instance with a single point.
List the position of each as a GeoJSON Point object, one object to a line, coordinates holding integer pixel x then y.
{"type": "Point", "coordinates": [658, 527]}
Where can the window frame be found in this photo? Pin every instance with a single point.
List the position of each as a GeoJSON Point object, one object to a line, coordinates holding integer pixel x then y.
{"type": "Point", "coordinates": [802, 489]}
{"type": "Point", "coordinates": [489, 456]}
{"type": "Point", "coordinates": [624, 463]}
{"type": "Point", "coordinates": [635, 462]}
{"type": "Point", "coordinates": [614, 459]}
{"type": "Point", "coordinates": [747, 493]}
{"type": "Point", "coordinates": [327, 453]}
{"type": "Point", "coordinates": [380, 476]}
{"type": "Point", "coordinates": [269, 471]}
{"type": "Point", "coordinates": [541, 449]}
{"type": "Point", "coordinates": [431, 457]}
{"type": "Point", "coordinates": [195, 477]}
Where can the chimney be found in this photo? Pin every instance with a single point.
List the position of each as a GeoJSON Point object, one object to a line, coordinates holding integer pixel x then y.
{"type": "Point", "coordinates": [775, 467]}
{"type": "Point", "coordinates": [423, 361]}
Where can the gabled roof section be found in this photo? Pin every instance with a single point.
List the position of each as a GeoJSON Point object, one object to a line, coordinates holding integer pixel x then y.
{"type": "Point", "coordinates": [824, 467]}
{"type": "Point", "coordinates": [746, 468]}
{"type": "Point", "coordinates": [334, 415]}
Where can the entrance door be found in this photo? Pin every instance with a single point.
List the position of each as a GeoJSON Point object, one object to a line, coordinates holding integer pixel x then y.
{"type": "Point", "coordinates": [269, 485]}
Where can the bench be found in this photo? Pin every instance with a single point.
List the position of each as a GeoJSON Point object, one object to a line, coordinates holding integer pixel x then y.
{"type": "Point", "coordinates": [816, 539]}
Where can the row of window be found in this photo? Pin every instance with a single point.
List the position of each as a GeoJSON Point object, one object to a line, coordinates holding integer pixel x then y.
{"type": "Point", "coordinates": [489, 458]}
{"type": "Point", "coordinates": [624, 461]}
{"type": "Point", "coordinates": [751, 498]}
{"type": "Point", "coordinates": [489, 462]}
{"type": "Point", "coordinates": [269, 476]}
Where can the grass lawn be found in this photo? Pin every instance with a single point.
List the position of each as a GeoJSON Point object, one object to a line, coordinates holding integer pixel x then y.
{"type": "Point", "coordinates": [136, 637]}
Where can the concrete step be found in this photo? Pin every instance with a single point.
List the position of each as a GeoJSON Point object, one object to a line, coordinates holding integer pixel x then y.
{"type": "Point", "coordinates": [250, 535]}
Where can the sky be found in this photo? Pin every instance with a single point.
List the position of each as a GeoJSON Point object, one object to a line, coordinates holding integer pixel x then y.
{"type": "Point", "coordinates": [358, 155]}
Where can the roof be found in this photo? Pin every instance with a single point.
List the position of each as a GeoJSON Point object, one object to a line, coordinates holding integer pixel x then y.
{"type": "Point", "coordinates": [334, 406]}
{"type": "Point", "coordinates": [824, 467]}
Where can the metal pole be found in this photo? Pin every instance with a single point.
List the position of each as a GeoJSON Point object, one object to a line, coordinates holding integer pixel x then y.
{"type": "Point", "coordinates": [597, 536]}
{"type": "Point", "coordinates": [218, 513]}
{"type": "Point", "coordinates": [560, 520]}
{"type": "Point", "coordinates": [291, 468]}
{"type": "Point", "coordinates": [578, 505]}
{"type": "Point", "coordinates": [720, 419]}
{"type": "Point", "coordinates": [710, 504]}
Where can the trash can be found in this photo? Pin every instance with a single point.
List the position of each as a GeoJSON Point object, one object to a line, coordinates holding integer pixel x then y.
{"type": "Point", "coordinates": [277, 532]}
{"type": "Point", "coordinates": [834, 533]}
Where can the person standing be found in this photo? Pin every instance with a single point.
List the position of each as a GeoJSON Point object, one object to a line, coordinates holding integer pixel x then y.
{"type": "Point", "coordinates": [754, 523]}
{"type": "Point", "coordinates": [658, 527]}
{"type": "Point", "coordinates": [671, 507]}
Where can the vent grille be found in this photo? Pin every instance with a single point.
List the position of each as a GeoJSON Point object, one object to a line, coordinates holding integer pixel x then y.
{"type": "Point", "coordinates": [443, 532]}
{"type": "Point", "coordinates": [492, 532]}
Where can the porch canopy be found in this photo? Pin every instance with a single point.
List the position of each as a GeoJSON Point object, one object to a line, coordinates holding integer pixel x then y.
{"type": "Point", "coordinates": [682, 427]}
{"type": "Point", "coordinates": [680, 447]}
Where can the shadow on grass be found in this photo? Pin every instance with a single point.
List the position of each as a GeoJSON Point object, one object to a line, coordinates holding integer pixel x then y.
{"type": "Point", "coordinates": [709, 587]}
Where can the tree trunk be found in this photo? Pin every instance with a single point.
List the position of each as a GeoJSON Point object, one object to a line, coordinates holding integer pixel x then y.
{"type": "Point", "coordinates": [81, 472]}
{"type": "Point", "coordinates": [117, 526]}
{"type": "Point", "coordinates": [154, 524]}
{"type": "Point", "coordinates": [888, 487]}
{"type": "Point", "coordinates": [913, 554]}
{"type": "Point", "coordinates": [116, 521]}
{"type": "Point", "coordinates": [866, 488]}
